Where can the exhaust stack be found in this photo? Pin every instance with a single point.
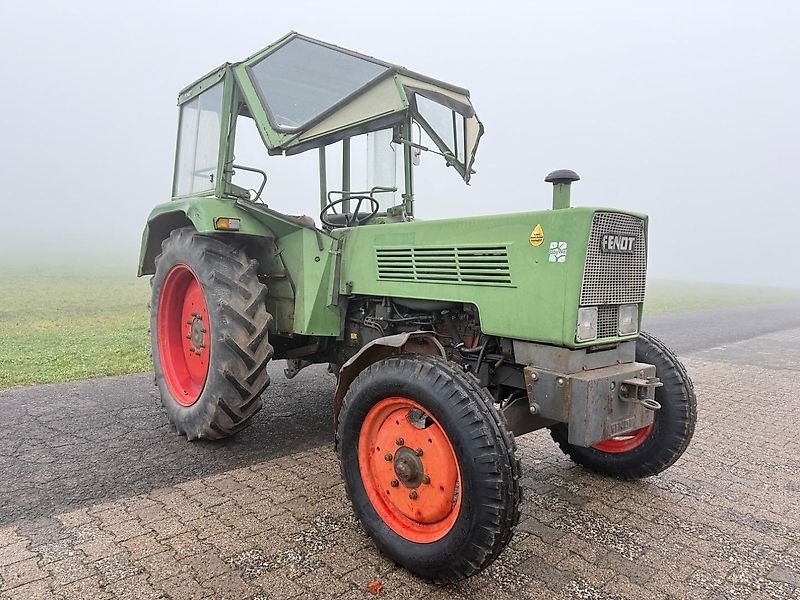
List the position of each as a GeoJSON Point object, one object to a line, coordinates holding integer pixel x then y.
{"type": "Point", "coordinates": [562, 180]}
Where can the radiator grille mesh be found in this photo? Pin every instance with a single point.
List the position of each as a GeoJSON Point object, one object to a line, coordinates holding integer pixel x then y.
{"type": "Point", "coordinates": [466, 265]}
{"type": "Point", "coordinates": [610, 278]}
{"type": "Point", "coordinates": [607, 317]}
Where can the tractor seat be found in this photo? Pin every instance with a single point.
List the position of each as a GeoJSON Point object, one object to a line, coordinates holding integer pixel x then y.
{"type": "Point", "coordinates": [303, 220]}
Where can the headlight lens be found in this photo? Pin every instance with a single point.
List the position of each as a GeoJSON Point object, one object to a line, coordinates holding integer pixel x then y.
{"type": "Point", "coordinates": [628, 319]}
{"type": "Point", "coordinates": [587, 324]}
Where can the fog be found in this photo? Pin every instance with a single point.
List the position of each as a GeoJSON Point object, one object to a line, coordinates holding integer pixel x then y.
{"type": "Point", "coordinates": [686, 111]}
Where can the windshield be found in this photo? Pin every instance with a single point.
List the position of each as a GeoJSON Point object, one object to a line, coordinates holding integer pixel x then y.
{"type": "Point", "coordinates": [447, 124]}
{"type": "Point", "coordinates": [302, 80]}
{"type": "Point", "coordinates": [451, 123]}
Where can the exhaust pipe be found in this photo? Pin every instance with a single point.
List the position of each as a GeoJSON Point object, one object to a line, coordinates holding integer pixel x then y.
{"type": "Point", "coordinates": [562, 180]}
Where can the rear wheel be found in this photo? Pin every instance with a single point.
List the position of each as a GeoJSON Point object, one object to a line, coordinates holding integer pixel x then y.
{"type": "Point", "coordinates": [649, 450]}
{"type": "Point", "coordinates": [208, 325]}
{"type": "Point", "coordinates": [429, 466]}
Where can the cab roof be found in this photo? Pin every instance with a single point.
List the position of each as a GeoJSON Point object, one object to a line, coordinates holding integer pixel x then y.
{"type": "Point", "coordinates": [304, 93]}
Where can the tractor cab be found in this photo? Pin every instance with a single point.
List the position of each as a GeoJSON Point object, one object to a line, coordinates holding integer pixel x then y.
{"type": "Point", "coordinates": [303, 94]}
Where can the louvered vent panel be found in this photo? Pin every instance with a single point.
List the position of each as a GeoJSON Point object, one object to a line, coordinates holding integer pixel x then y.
{"type": "Point", "coordinates": [462, 265]}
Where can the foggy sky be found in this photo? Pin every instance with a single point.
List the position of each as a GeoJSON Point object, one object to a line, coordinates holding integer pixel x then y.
{"type": "Point", "coordinates": [687, 111]}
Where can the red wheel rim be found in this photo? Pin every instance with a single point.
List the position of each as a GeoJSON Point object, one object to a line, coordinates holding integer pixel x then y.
{"type": "Point", "coordinates": [411, 475]}
{"type": "Point", "coordinates": [183, 335]}
{"type": "Point", "coordinates": [624, 443]}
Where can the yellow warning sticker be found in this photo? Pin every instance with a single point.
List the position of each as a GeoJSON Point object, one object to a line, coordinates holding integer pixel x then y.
{"type": "Point", "coordinates": [537, 236]}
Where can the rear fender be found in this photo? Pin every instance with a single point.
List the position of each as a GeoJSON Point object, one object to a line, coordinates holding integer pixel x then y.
{"type": "Point", "coordinates": [200, 213]}
{"type": "Point", "coordinates": [412, 342]}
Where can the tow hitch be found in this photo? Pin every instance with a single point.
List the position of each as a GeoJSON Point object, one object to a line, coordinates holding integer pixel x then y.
{"type": "Point", "coordinates": [637, 389]}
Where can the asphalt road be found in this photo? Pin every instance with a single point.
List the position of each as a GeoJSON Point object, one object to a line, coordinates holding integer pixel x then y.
{"type": "Point", "coordinates": [71, 445]}
{"type": "Point", "coordinates": [703, 329]}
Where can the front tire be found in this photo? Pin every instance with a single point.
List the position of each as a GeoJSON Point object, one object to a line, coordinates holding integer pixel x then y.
{"type": "Point", "coordinates": [429, 466]}
{"type": "Point", "coordinates": [650, 450]}
{"type": "Point", "coordinates": [208, 330]}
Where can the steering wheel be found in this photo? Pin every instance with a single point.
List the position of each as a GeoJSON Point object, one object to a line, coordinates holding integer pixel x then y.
{"type": "Point", "coordinates": [353, 218]}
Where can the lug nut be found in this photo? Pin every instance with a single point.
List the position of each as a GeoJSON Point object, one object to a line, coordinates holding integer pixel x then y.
{"type": "Point", "coordinates": [388, 457]}
{"type": "Point", "coordinates": [395, 483]}
{"type": "Point", "coordinates": [400, 441]}
{"type": "Point", "coordinates": [419, 451]}
{"type": "Point", "coordinates": [426, 479]}
{"type": "Point", "coordinates": [413, 495]}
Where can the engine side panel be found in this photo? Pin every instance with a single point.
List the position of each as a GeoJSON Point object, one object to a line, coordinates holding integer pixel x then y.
{"type": "Point", "coordinates": [522, 271]}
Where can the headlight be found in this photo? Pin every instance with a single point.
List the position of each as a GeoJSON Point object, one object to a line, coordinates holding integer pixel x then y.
{"type": "Point", "coordinates": [628, 319]}
{"type": "Point", "coordinates": [587, 324]}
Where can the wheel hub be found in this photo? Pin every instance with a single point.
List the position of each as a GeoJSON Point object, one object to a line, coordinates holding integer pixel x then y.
{"type": "Point", "coordinates": [409, 470]}
{"type": "Point", "coordinates": [197, 333]}
{"type": "Point", "coordinates": [408, 467]}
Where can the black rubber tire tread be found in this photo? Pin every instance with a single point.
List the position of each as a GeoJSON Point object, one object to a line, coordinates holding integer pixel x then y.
{"type": "Point", "coordinates": [491, 488]}
{"type": "Point", "coordinates": [673, 426]}
{"type": "Point", "coordinates": [499, 418]}
{"type": "Point", "coordinates": [239, 342]}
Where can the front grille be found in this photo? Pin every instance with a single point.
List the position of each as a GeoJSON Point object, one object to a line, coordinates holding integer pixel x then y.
{"type": "Point", "coordinates": [610, 278]}
{"type": "Point", "coordinates": [466, 265]}
{"type": "Point", "coordinates": [607, 317]}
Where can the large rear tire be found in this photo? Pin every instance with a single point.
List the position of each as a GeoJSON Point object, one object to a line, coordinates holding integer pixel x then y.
{"type": "Point", "coordinates": [649, 450]}
{"type": "Point", "coordinates": [208, 331]}
{"type": "Point", "coordinates": [429, 466]}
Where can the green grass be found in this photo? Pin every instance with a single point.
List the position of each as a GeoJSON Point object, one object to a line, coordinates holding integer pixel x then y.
{"type": "Point", "coordinates": [681, 296]}
{"type": "Point", "coordinates": [63, 325]}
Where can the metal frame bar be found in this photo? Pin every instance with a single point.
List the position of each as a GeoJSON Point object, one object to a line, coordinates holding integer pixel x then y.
{"type": "Point", "coordinates": [323, 178]}
{"type": "Point", "coordinates": [346, 175]}
{"type": "Point", "coordinates": [201, 85]}
{"type": "Point", "coordinates": [227, 135]}
{"type": "Point", "coordinates": [408, 171]}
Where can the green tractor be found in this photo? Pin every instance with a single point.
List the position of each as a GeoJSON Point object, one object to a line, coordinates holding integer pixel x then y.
{"type": "Point", "coordinates": [448, 338]}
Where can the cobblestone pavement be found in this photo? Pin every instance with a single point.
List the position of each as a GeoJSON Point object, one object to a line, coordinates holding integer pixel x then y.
{"type": "Point", "coordinates": [70, 445]}
{"type": "Point", "coordinates": [66, 446]}
{"type": "Point", "coordinates": [724, 522]}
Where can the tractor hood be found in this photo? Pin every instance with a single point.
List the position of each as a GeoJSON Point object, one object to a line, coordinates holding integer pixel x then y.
{"type": "Point", "coordinates": [304, 93]}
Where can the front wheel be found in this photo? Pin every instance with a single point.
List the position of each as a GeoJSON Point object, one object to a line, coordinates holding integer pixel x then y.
{"type": "Point", "coordinates": [429, 466]}
{"type": "Point", "coordinates": [649, 450]}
